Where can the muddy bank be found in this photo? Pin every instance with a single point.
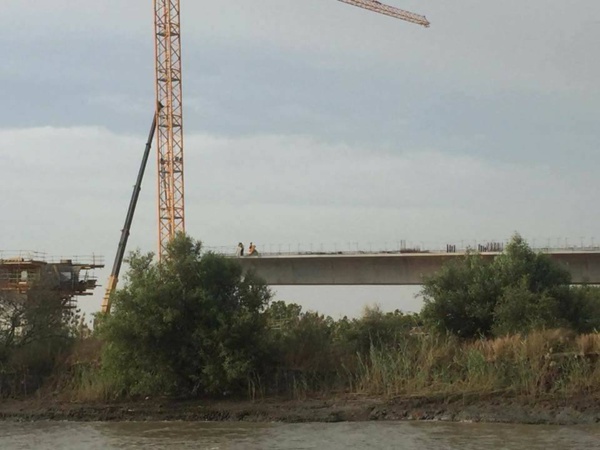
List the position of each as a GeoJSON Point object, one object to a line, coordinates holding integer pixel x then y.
{"type": "Point", "coordinates": [584, 409]}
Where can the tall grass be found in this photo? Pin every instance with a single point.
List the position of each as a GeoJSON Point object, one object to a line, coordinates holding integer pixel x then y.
{"type": "Point", "coordinates": [79, 378]}
{"type": "Point", "coordinates": [544, 362]}
{"type": "Point", "coordinates": [552, 361]}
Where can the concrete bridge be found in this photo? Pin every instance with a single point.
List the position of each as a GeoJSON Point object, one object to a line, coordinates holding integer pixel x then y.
{"type": "Point", "coordinates": [389, 268]}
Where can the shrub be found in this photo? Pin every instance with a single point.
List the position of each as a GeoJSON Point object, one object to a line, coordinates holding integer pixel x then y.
{"type": "Point", "coordinates": [35, 330]}
{"type": "Point", "coordinates": [518, 291]}
{"type": "Point", "coordinates": [189, 325]}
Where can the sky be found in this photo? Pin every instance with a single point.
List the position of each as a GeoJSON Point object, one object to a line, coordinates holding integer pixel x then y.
{"type": "Point", "coordinates": [307, 123]}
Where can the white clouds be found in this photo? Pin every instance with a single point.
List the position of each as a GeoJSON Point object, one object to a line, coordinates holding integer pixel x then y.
{"type": "Point", "coordinates": [300, 171]}
{"type": "Point", "coordinates": [263, 186]}
{"type": "Point", "coordinates": [120, 103]}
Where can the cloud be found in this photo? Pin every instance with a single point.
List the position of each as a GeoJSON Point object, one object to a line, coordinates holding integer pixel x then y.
{"type": "Point", "coordinates": [79, 180]}
{"type": "Point", "coordinates": [513, 74]}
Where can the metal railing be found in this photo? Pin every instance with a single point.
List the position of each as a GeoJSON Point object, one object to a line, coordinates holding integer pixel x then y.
{"type": "Point", "coordinates": [35, 256]}
{"type": "Point", "coordinates": [548, 245]}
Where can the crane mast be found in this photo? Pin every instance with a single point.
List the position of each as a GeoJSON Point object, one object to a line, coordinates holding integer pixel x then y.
{"type": "Point", "coordinates": [169, 127]}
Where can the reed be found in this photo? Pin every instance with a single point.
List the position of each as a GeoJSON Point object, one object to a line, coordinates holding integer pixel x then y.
{"type": "Point", "coordinates": [549, 361]}
{"type": "Point", "coordinates": [540, 363]}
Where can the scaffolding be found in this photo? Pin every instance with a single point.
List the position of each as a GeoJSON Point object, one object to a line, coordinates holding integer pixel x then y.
{"type": "Point", "coordinates": [71, 277]}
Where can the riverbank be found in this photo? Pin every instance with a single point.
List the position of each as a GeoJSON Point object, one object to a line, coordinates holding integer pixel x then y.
{"type": "Point", "coordinates": [573, 410]}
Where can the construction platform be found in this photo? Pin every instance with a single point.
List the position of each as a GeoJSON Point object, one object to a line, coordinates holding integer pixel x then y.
{"type": "Point", "coordinates": [72, 277]}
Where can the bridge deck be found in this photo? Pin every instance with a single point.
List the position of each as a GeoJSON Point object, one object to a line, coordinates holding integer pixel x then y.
{"type": "Point", "coordinates": [389, 268]}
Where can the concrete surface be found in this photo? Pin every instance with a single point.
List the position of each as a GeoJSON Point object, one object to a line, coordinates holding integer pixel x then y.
{"type": "Point", "coordinates": [388, 269]}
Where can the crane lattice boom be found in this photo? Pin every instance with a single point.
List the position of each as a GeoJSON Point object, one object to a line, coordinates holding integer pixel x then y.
{"type": "Point", "coordinates": [169, 136]}
{"type": "Point", "coordinates": [392, 11]}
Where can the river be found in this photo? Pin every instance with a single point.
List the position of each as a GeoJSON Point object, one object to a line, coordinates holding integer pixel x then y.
{"type": "Point", "coordinates": [361, 435]}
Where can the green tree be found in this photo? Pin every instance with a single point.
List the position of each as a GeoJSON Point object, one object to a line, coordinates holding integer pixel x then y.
{"type": "Point", "coordinates": [520, 264]}
{"type": "Point", "coordinates": [518, 291]}
{"type": "Point", "coordinates": [520, 309]}
{"type": "Point", "coordinates": [189, 325]}
{"type": "Point", "coordinates": [36, 328]}
{"type": "Point", "coordinates": [301, 341]}
{"type": "Point", "coordinates": [461, 297]}
{"type": "Point", "coordinates": [584, 309]}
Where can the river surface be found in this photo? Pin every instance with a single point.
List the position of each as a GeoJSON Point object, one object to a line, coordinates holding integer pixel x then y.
{"type": "Point", "coordinates": [364, 435]}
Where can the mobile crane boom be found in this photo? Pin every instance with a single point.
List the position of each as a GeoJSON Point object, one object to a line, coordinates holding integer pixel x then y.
{"type": "Point", "coordinates": [116, 268]}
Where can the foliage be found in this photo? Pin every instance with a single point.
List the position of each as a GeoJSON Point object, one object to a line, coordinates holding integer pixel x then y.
{"type": "Point", "coordinates": [35, 329]}
{"type": "Point", "coordinates": [584, 309]}
{"type": "Point", "coordinates": [195, 324]}
{"type": "Point", "coordinates": [461, 297]}
{"type": "Point", "coordinates": [375, 328]}
{"type": "Point", "coordinates": [519, 290]}
{"type": "Point", "coordinates": [313, 352]}
{"type": "Point", "coordinates": [550, 361]}
{"type": "Point", "coordinates": [189, 325]}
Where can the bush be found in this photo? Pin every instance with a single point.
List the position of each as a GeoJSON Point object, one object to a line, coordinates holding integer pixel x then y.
{"type": "Point", "coordinates": [375, 328]}
{"type": "Point", "coordinates": [519, 309]}
{"type": "Point", "coordinates": [190, 325]}
{"type": "Point", "coordinates": [518, 291]}
{"type": "Point", "coordinates": [461, 297]}
{"type": "Point", "coordinates": [36, 329]}
{"type": "Point", "coordinates": [584, 309]}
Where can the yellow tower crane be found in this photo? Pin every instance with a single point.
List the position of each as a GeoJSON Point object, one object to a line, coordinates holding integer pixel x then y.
{"type": "Point", "coordinates": [167, 125]}
{"type": "Point", "coordinates": [167, 29]}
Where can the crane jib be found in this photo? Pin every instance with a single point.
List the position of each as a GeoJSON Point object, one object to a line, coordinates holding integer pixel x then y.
{"type": "Point", "coordinates": [381, 8]}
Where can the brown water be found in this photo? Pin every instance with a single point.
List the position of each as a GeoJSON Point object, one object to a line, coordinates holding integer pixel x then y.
{"type": "Point", "coordinates": [365, 435]}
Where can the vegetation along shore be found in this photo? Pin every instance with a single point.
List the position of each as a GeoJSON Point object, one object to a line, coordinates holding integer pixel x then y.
{"type": "Point", "coordinates": [194, 338]}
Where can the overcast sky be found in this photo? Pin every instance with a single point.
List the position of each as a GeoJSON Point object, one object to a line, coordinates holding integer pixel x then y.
{"type": "Point", "coordinates": [307, 122]}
